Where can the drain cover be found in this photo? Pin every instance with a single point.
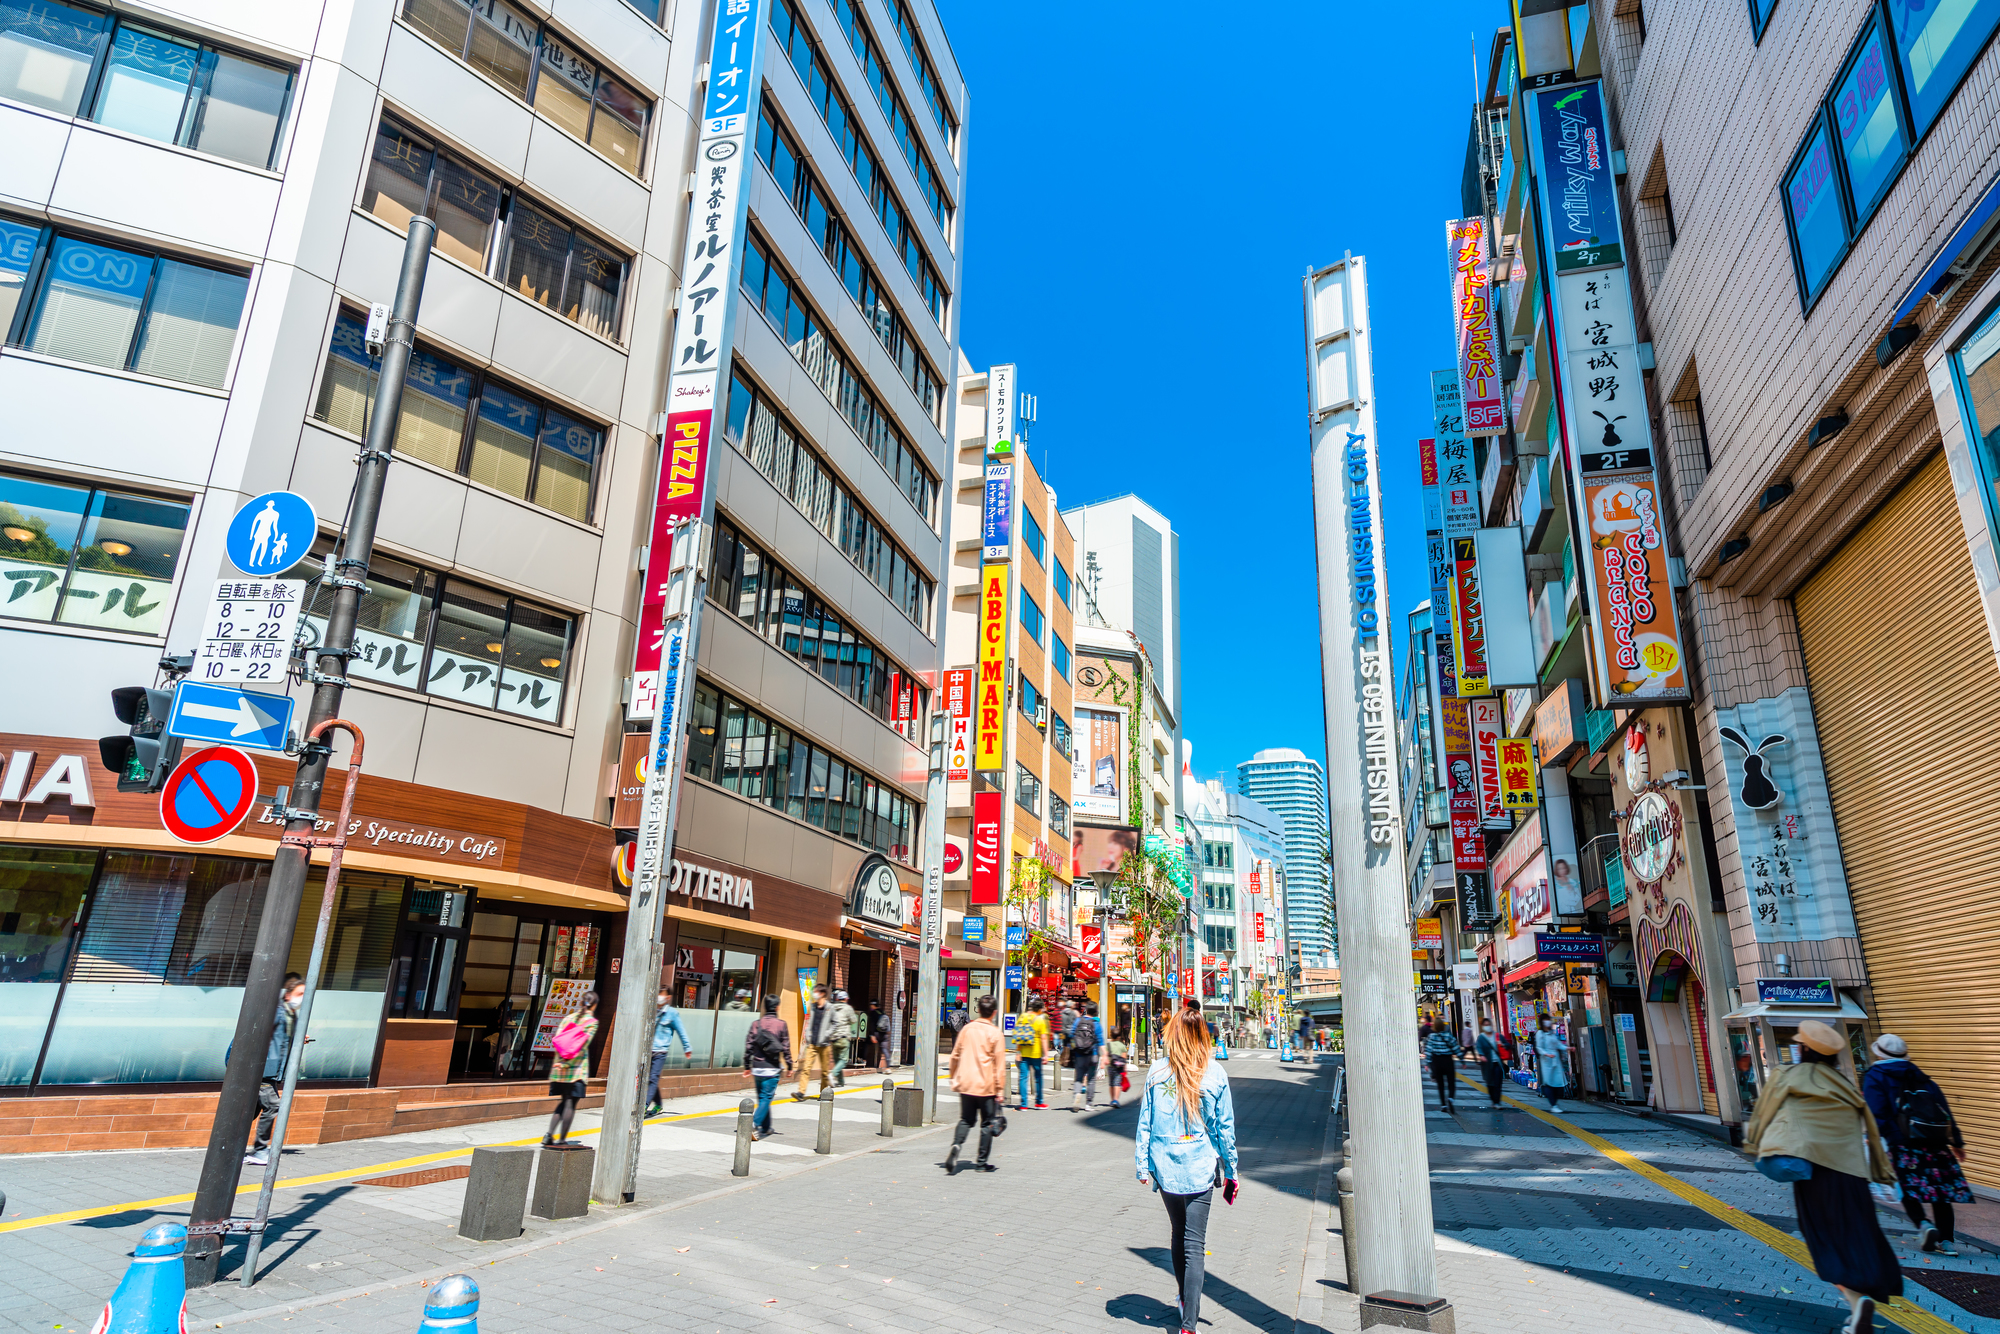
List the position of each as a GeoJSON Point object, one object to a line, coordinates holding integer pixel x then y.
{"type": "Point", "coordinates": [429, 1176]}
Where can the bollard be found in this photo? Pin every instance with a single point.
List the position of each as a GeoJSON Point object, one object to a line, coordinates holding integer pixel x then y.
{"type": "Point", "coordinates": [451, 1307]}
{"type": "Point", "coordinates": [824, 1144]}
{"type": "Point", "coordinates": [888, 1130]}
{"type": "Point", "coordinates": [1349, 1250]}
{"type": "Point", "coordinates": [152, 1297]}
{"type": "Point", "coordinates": [744, 1111]}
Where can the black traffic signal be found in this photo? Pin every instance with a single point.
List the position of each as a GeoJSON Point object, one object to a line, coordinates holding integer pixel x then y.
{"type": "Point", "coordinates": [143, 758]}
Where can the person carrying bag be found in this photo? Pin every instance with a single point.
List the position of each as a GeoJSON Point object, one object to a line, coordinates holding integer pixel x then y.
{"type": "Point", "coordinates": [1185, 1147]}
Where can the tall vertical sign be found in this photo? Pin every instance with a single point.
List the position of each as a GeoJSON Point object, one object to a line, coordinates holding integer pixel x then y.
{"type": "Point", "coordinates": [989, 727]}
{"type": "Point", "coordinates": [988, 806]}
{"type": "Point", "coordinates": [1635, 634]}
{"type": "Point", "coordinates": [1487, 729]}
{"type": "Point", "coordinates": [670, 600]}
{"type": "Point", "coordinates": [1392, 1213]}
{"type": "Point", "coordinates": [1458, 516]}
{"type": "Point", "coordinates": [1437, 550]}
{"type": "Point", "coordinates": [1468, 619]}
{"type": "Point", "coordinates": [1476, 326]}
{"type": "Point", "coordinates": [958, 704]}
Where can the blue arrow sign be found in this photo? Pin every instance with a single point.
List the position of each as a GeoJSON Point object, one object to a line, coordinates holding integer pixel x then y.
{"type": "Point", "coordinates": [231, 716]}
{"type": "Point", "coordinates": [272, 533]}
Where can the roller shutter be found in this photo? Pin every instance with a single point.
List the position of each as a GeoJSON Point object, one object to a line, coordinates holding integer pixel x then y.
{"type": "Point", "coordinates": [1903, 687]}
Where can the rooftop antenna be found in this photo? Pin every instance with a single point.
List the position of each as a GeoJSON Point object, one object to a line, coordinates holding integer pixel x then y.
{"type": "Point", "coordinates": [1025, 410]}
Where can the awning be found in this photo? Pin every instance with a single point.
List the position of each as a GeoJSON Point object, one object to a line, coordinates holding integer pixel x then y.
{"type": "Point", "coordinates": [1527, 972]}
{"type": "Point", "coordinates": [1954, 246]}
{"type": "Point", "coordinates": [887, 935]}
{"type": "Point", "coordinates": [1797, 1014]}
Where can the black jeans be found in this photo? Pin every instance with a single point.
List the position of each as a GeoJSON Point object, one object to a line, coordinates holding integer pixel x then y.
{"type": "Point", "coordinates": [1494, 1072]}
{"type": "Point", "coordinates": [1941, 1215]}
{"type": "Point", "coordinates": [1189, 1216]}
{"type": "Point", "coordinates": [267, 1110]}
{"type": "Point", "coordinates": [973, 1107]}
{"type": "Point", "coordinates": [1445, 1074]}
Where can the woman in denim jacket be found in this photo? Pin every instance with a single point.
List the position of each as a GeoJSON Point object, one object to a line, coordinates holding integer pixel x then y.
{"type": "Point", "coordinates": [1186, 1142]}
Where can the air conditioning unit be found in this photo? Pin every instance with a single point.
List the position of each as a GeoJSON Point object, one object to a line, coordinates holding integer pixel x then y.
{"type": "Point", "coordinates": [1042, 714]}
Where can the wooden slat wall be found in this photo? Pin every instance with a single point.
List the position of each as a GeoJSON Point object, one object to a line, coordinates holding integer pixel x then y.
{"type": "Point", "coordinates": [1903, 682]}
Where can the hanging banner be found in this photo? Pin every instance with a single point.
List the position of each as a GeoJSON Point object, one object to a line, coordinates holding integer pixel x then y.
{"type": "Point", "coordinates": [1486, 730]}
{"type": "Point", "coordinates": [1475, 324]}
{"type": "Point", "coordinates": [1636, 635]}
{"type": "Point", "coordinates": [987, 808]}
{"type": "Point", "coordinates": [1000, 411]}
{"type": "Point", "coordinates": [958, 736]}
{"type": "Point", "coordinates": [1517, 773]}
{"type": "Point", "coordinates": [989, 743]}
{"type": "Point", "coordinates": [1468, 619]}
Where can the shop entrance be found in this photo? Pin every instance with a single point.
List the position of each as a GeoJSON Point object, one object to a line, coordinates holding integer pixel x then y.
{"type": "Point", "coordinates": [1673, 1046]}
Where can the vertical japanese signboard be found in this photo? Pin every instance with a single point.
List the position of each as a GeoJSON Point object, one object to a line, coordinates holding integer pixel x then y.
{"type": "Point", "coordinates": [1458, 516]}
{"type": "Point", "coordinates": [1484, 715]}
{"type": "Point", "coordinates": [1476, 326]}
{"type": "Point", "coordinates": [1635, 638]}
{"type": "Point", "coordinates": [989, 732]}
{"type": "Point", "coordinates": [1517, 774]}
{"type": "Point", "coordinates": [997, 514]}
{"type": "Point", "coordinates": [1468, 619]}
{"type": "Point", "coordinates": [987, 808]}
{"type": "Point", "coordinates": [1437, 549]}
{"type": "Point", "coordinates": [699, 361]}
{"type": "Point", "coordinates": [1000, 411]}
{"type": "Point", "coordinates": [958, 706]}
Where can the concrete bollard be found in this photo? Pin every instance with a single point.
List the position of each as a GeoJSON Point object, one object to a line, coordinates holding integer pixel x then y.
{"type": "Point", "coordinates": [824, 1143]}
{"type": "Point", "coordinates": [152, 1297]}
{"type": "Point", "coordinates": [496, 1193]}
{"type": "Point", "coordinates": [744, 1130]}
{"type": "Point", "coordinates": [562, 1181]}
{"type": "Point", "coordinates": [1349, 1249]}
{"type": "Point", "coordinates": [888, 1130]}
{"type": "Point", "coordinates": [451, 1307]}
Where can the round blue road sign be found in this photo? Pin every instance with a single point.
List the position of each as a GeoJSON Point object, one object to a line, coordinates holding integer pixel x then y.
{"type": "Point", "coordinates": [272, 533]}
{"type": "Point", "coordinates": [208, 794]}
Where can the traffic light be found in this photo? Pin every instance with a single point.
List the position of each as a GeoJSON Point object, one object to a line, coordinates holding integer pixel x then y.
{"type": "Point", "coordinates": [143, 758]}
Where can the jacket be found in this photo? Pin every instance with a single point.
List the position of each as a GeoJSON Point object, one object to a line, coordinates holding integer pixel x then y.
{"type": "Point", "coordinates": [281, 1042]}
{"type": "Point", "coordinates": [1486, 1048]}
{"type": "Point", "coordinates": [979, 1060]}
{"type": "Point", "coordinates": [1549, 1053]}
{"type": "Point", "coordinates": [1179, 1157]}
{"type": "Point", "coordinates": [843, 1022]}
{"type": "Point", "coordinates": [578, 1067]}
{"type": "Point", "coordinates": [775, 1026]}
{"type": "Point", "coordinates": [1442, 1043]}
{"type": "Point", "coordinates": [1881, 1085]}
{"type": "Point", "coordinates": [1814, 1112]}
{"type": "Point", "coordinates": [667, 1027]}
{"type": "Point", "coordinates": [819, 1026]}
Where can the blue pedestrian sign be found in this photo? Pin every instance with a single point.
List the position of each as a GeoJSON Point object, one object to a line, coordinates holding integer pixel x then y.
{"type": "Point", "coordinates": [272, 533]}
{"type": "Point", "coordinates": [234, 717]}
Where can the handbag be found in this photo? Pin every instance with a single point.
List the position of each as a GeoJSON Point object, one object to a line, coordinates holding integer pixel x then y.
{"type": "Point", "coordinates": [1784, 1167]}
{"type": "Point", "coordinates": [570, 1039]}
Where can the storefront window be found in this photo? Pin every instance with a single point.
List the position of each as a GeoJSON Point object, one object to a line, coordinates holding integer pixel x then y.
{"type": "Point", "coordinates": [718, 988]}
{"type": "Point", "coordinates": [41, 896]}
{"type": "Point", "coordinates": [1978, 361]}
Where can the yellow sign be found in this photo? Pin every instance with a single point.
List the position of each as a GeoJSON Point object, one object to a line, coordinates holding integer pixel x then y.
{"type": "Point", "coordinates": [989, 713]}
{"type": "Point", "coordinates": [1573, 978]}
{"type": "Point", "coordinates": [1429, 934]}
{"type": "Point", "coordinates": [1516, 760]}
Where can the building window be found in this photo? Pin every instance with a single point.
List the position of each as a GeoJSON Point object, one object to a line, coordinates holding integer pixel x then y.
{"type": "Point", "coordinates": [1027, 790]}
{"type": "Point", "coordinates": [80, 555]}
{"type": "Point", "coordinates": [1219, 856]}
{"type": "Point", "coordinates": [1058, 816]}
{"type": "Point", "coordinates": [1031, 617]}
{"type": "Point", "coordinates": [489, 227]}
{"type": "Point", "coordinates": [112, 305]}
{"type": "Point", "coordinates": [775, 447]}
{"type": "Point", "coordinates": [1032, 701]}
{"type": "Point", "coordinates": [1061, 657]}
{"type": "Point", "coordinates": [1814, 213]}
{"type": "Point", "coordinates": [1977, 362]}
{"type": "Point", "coordinates": [177, 90]}
{"type": "Point", "coordinates": [1760, 17]}
{"type": "Point", "coordinates": [1031, 536]}
{"type": "Point", "coordinates": [444, 636]}
{"type": "Point", "coordinates": [467, 422]}
{"type": "Point", "coordinates": [1065, 744]}
{"type": "Point", "coordinates": [1872, 142]}
{"type": "Point", "coordinates": [1935, 46]}
{"type": "Point", "coordinates": [755, 589]}
{"type": "Point", "coordinates": [735, 747]}
{"type": "Point", "coordinates": [539, 65]}
{"type": "Point", "coordinates": [913, 46]}
{"type": "Point", "coordinates": [1219, 939]}
{"type": "Point", "coordinates": [1062, 586]}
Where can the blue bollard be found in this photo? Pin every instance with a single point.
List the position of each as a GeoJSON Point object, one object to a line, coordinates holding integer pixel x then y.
{"type": "Point", "coordinates": [452, 1307]}
{"type": "Point", "coordinates": [152, 1297]}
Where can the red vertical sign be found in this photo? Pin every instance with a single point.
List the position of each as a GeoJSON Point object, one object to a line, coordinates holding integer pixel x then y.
{"type": "Point", "coordinates": [683, 461]}
{"type": "Point", "coordinates": [986, 811]}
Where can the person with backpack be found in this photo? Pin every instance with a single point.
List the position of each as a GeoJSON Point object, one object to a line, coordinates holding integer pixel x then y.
{"type": "Point", "coordinates": [846, 1035]}
{"type": "Point", "coordinates": [1813, 1129]}
{"type": "Point", "coordinates": [569, 1067]}
{"type": "Point", "coordinates": [767, 1053]}
{"type": "Point", "coordinates": [1442, 1049]}
{"type": "Point", "coordinates": [1185, 1146]}
{"type": "Point", "coordinates": [1925, 1145]}
{"type": "Point", "coordinates": [1086, 1040]}
{"type": "Point", "coordinates": [1492, 1054]}
{"type": "Point", "coordinates": [1031, 1040]}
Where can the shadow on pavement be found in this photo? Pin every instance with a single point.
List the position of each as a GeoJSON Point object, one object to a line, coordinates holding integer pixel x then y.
{"type": "Point", "coordinates": [1141, 1309]}
{"type": "Point", "coordinates": [279, 1226]}
{"type": "Point", "coordinates": [130, 1218]}
{"type": "Point", "coordinates": [1219, 1290]}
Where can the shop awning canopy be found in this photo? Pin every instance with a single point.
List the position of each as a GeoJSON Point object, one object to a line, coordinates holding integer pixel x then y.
{"type": "Point", "coordinates": [1797, 1014]}
{"type": "Point", "coordinates": [1529, 971]}
{"type": "Point", "coordinates": [887, 935]}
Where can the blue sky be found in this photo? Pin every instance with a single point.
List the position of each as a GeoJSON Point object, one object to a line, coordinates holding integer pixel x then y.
{"type": "Point", "coordinates": [1146, 188]}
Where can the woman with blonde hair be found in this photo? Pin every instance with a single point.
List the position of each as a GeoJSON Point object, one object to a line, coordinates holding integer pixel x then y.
{"type": "Point", "coordinates": [1186, 1145]}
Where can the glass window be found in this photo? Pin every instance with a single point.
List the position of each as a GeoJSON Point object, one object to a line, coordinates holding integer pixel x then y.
{"type": "Point", "coordinates": [503, 45]}
{"type": "Point", "coordinates": [536, 661]}
{"type": "Point", "coordinates": [703, 718]}
{"type": "Point", "coordinates": [79, 556]}
{"type": "Point", "coordinates": [1936, 43]}
{"type": "Point", "coordinates": [1031, 617]}
{"type": "Point", "coordinates": [566, 464]}
{"type": "Point", "coordinates": [1031, 536]}
{"type": "Point", "coordinates": [243, 111]}
{"type": "Point", "coordinates": [1030, 699]}
{"type": "Point", "coordinates": [1058, 816]}
{"type": "Point", "coordinates": [47, 51]}
{"type": "Point", "coordinates": [90, 303]}
{"type": "Point", "coordinates": [1812, 206]}
{"type": "Point", "coordinates": [18, 243]}
{"type": "Point", "coordinates": [1059, 735]}
{"type": "Point", "coordinates": [1062, 587]}
{"type": "Point", "coordinates": [469, 640]}
{"type": "Point", "coordinates": [503, 440]}
{"type": "Point", "coordinates": [1978, 361]}
{"type": "Point", "coordinates": [1871, 133]}
{"type": "Point", "coordinates": [1027, 790]}
{"type": "Point", "coordinates": [41, 896]}
{"type": "Point", "coordinates": [1760, 15]}
{"type": "Point", "coordinates": [191, 323]}
{"type": "Point", "coordinates": [394, 624]}
{"type": "Point", "coordinates": [145, 84]}
{"type": "Point", "coordinates": [1062, 660]}
{"type": "Point", "coordinates": [565, 89]}
{"type": "Point", "coordinates": [437, 394]}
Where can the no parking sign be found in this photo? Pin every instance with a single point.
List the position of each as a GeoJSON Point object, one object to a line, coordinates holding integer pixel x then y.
{"type": "Point", "coordinates": [208, 794]}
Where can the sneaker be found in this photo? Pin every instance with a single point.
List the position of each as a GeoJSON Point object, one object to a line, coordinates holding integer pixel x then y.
{"type": "Point", "coordinates": [986, 1167]}
{"type": "Point", "coordinates": [1556, 1108]}
{"type": "Point", "coordinates": [951, 1161]}
{"type": "Point", "coordinates": [654, 1110]}
{"type": "Point", "coordinates": [1927, 1238]}
{"type": "Point", "coordinates": [255, 1160]}
{"type": "Point", "coordinates": [1945, 1248]}
{"type": "Point", "coordinates": [1863, 1318]}
{"type": "Point", "coordinates": [1041, 1107]}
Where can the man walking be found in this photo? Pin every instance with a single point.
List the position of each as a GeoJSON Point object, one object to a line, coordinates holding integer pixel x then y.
{"type": "Point", "coordinates": [1031, 1040]}
{"type": "Point", "coordinates": [1492, 1059]}
{"type": "Point", "coordinates": [816, 1044]}
{"type": "Point", "coordinates": [767, 1053]}
{"type": "Point", "coordinates": [845, 1037]}
{"type": "Point", "coordinates": [666, 1028]}
{"type": "Point", "coordinates": [878, 1035]}
{"type": "Point", "coordinates": [979, 1077]}
{"type": "Point", "coordinates": [273, 1080]}
{"type": "Point", "coordinates": [1442, 1048]}
{"type": "Point", "coordinates": [1086, 1040]}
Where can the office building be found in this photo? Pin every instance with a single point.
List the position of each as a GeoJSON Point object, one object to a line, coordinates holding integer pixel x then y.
{"type": "Point", "coordinates": [1293, 787]}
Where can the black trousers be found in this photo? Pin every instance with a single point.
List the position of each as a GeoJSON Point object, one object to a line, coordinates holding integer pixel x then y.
{"type": "Point", "coordinates": [267, 1110]}
{"type": "Point", "coordinates": [1494, 1072]}
{"type": "Point", "coordinates": [1445, 1073]}
{"type": "Point", "coordinates": [1189, 1216]}
{"type": "Point", "coordinates": [972, 1107]}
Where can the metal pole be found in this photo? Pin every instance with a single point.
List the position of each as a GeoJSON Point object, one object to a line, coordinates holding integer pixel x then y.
{"type": "Point", "coordinates": [295, 1058]}
{"type": "Point", "coordinates": [235, 1109]}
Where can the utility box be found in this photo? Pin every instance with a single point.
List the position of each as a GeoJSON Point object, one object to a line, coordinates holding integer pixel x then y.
{"type": "Point", "coordinates": [562, 1181]}
{"type": "Point", "coordinates": [496, 1194]}
{"type": "Point", "coordinates": [909, 1107]}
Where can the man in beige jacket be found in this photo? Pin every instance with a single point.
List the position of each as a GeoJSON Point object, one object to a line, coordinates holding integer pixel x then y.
{"type": "Point", "coordinates": [979, 1077]}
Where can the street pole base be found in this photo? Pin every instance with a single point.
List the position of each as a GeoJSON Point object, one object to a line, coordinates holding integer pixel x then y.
{"type": "Point", "coordinates": [200, 1270]}
{"type": "Point", "coordinates": [1407, 1310]}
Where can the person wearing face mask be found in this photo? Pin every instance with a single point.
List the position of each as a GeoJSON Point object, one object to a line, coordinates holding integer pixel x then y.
{"type": "Point", "coordinates": [1491, 1060]}
{"type": "Point", "coordinates": [667, 1029]}
{"type": "Point", "coordinates": [1550, 1056]}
